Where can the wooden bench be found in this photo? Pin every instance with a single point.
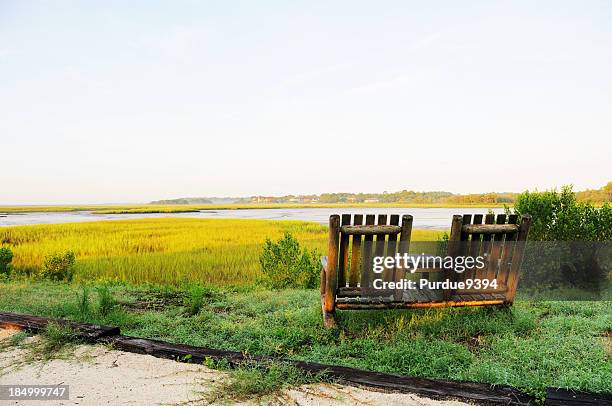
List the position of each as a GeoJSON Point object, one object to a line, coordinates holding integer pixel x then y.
{"type": "Point", "coordinates": [347, 272]}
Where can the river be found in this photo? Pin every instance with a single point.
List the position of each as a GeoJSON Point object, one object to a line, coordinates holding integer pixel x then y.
{"type": "Point", "coordinates": [424, 218]}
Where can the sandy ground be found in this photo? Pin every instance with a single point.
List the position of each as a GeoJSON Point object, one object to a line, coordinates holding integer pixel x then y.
{"type": "Point", "coordinates": [98, 375]}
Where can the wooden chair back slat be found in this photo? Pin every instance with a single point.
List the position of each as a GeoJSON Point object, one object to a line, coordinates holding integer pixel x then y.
{"type": "Point", "coordinates": [355, 265]}
{"type": "Point", "coordinates": [476, 243]}
{"type": "Point", "coordinates": [517, 257]}
{"type": "Point", "coordinates": [506, 259]}
{"type": "Point", "coordinates": [497, 241]}
{"type": "Point", "coordinates": [343, 255]}
{"type": "Point", "coordinates": [366, 267]}
{"type": "Point", "coordinates": [389, 274]}
{"type": "Point", "coordinates": [380, 244]}
{"type": "Point", "coordinates": [403, 247]}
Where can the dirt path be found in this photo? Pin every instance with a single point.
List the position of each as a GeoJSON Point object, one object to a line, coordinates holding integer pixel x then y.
{"type": "Point", "coordinates": [98, 375]}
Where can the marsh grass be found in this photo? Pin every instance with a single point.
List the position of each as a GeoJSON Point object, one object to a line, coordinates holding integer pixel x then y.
{"type": "Point", "coordinates": [163, 251]}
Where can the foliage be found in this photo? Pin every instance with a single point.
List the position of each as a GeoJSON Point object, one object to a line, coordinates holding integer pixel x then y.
{"type": "Point", "coordinates": [284, 264]}
{"type": "Point", "coordinates": [197, 297]}
{"type": "Point", "coordinates": [83, 303]}
{"type": "Point", "coordinates": [6, 256]}
{"type": "Point", "coordinates": [58, 266]}
{"type": "Point", "coordinates": [559, 217]}
{"type": "Point", "coordinates": [106, 302]}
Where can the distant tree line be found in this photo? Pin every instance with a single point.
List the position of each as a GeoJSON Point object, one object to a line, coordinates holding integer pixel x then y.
{"type": "Point", "coordinates": [184, 200]}
{"type": "Point", "coordinates": [595, 196]}
{"type": "Point", "coordinates": [598, 196]}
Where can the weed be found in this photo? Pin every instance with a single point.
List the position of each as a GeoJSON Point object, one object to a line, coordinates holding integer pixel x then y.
{"type": "Point", "coordinates": [106, 302]}
{"type": "Point", "coordinates": [54, 341]}
{"type": "Point", "coordinates": [248, 381]}
{"type": "Point", "coordinates": [83, 303]}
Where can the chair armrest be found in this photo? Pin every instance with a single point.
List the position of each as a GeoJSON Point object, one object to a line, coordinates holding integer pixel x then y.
{"type": "Point", "coordinates": [324, 262]}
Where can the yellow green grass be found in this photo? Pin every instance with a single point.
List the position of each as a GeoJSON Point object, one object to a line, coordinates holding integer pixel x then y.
{"type": "Point", "coordinates": [154, 208]}
{"type": "Point", "coordinates": [163, 250]}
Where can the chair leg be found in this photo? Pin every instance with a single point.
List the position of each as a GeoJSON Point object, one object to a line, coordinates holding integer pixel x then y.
{"type": "Point", "coordinates": [329, 320]}
{"type": "Point", "coordinates": [328, 317]}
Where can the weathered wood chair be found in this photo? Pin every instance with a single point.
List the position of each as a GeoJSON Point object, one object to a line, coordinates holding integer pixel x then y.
{"type": "Point", "coordinates": [346, 275]}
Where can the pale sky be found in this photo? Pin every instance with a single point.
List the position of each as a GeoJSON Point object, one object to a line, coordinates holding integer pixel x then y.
{"type": "Point", "coordinates": [116, 101]}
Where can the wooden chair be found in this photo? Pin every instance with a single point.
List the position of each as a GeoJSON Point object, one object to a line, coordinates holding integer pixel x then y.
{"type": "Point", "coordinates": [346, 275]}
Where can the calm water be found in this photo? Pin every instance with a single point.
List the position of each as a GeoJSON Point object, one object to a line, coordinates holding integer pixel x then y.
{"type": "Point", "coordinates": [436, 219]}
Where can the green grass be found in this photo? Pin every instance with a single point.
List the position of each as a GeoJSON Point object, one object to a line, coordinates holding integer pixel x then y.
{"type": "Point", "coordinates": [530, 346]}
{"type": "Point", "coordinates": [163, 251]}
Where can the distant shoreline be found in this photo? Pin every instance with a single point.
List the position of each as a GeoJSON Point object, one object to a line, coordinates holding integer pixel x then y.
{"type": "Point", "coordinates": [150, 208]}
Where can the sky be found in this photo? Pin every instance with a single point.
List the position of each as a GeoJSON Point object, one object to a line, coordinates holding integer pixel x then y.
{"type": "Point", "coordinates": [118, 102]}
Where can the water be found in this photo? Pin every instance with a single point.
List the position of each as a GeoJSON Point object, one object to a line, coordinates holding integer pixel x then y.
{"type": "Point", "coordinates": [424, 218]}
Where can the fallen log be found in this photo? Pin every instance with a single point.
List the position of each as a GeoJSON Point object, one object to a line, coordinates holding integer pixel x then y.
{"type": "Point", "coordinates": [563, 397]}
{"type": "Point", "coordinates": [86, 331]}
{"type": "Point", "coordinates": [478, 392]}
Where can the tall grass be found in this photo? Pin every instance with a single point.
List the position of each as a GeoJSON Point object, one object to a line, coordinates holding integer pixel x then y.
{"type": "Point", "coordinates": [163, 251]}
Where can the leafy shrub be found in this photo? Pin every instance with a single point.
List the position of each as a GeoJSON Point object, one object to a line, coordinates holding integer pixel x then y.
{"type": "Point", "coordinates": [284, 264]}
{"type": "Point", "coordinates": [59, 266]}
{"type": "Point", "coordinates": [580, 227]}
{"type": "Point", "coordinates": [6, 256]}
{"type": "Point", "coordinates": [559, 217]}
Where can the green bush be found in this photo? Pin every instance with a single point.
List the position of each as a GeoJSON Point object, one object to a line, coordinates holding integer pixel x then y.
{"type": "Point", "coordinates": [560, 217]}
{"type": "Point", "coordinates": [6, 256]}
{"type": "Point", "coordinates": [578, 230]}
{"type": "Point", "coordinates": [59, 266]}
{"type": "Point", "coordinates": [284, 264]}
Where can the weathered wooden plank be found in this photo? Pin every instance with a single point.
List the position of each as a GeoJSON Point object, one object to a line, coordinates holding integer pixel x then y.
{"type": "Point", "coordinates": [366, 268]}
{"type": "Point", "coordinates": [475, 244]}
{"type": "Point", "coordinates": [423, 305]}
{"type": "Point", "coordinates": [403, 247]}
{"type": "Point", "coordinates": [508, 253]}
{"type": "Point", "coordinates": [371, 229]}
{"type": "Point", "coordinates": [517, 258]}
{"type": "Point", "coordinates": [389, 274]}
{"type": "Point", "coordinates": [454, 249]}
{"type": "Point", "coordinates": [490, 228]}
{"type": "Point", "coordinates": [331, 274]}
{"type": "Point", "coordinates": [496, 249]}
{"type": "Point", "coordinates": [343, 256]}
{"type": "Point", "coordinates": [356, 253]}
{"type": "Point", "coordinates": [379, 244]}
{"type": "Point", "coordinates": [35, 324]}
{"type": "Point", "coordinates": [564, 397]}
{"type": "Point", "coordinates": [467, 219]}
